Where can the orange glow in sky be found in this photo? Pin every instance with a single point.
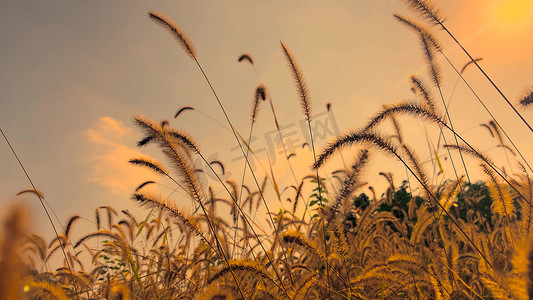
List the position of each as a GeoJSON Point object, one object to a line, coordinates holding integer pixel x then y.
{"type": "Point", "coordinates": [493, 27]}
{"type": "Point", "coordinates": [512, 13]}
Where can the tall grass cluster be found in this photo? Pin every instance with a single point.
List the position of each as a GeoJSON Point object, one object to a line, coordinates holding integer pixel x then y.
{"type": "Point", "coordinates": [340, 239]}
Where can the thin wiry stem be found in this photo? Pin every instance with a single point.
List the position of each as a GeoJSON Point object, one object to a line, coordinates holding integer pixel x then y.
{"type": "Point", "coordinates": [305, 102]}
{"type": "Point", "coordinates": [486, 108]}
{"type": "Point", "coordinates": [426, 10]}
{"type": "Point", "coordinates": [42, 203]}
{"type": "Point", "coordinates": [435, 75]}
{"type": "Point", "coordinates": [195, 148]}
{"type": "Point", "coordinates": [184, 168]}
{"type": "Point", "coordinates": [380, 143]}
{"type": "Point", "coordinates": [192, 53]}
{"type": "Point", "coordinates": [488, 78]}
{"type": "Point", "coordinates": [247, 57]}
{"type": "Point", "coordinates": [470, 150]}
{"type": "Point", "coordinates": [247, 161]}
{"type": "Point", "coordinates": [259, 95]}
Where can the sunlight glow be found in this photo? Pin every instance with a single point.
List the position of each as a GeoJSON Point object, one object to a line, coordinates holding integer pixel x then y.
{"type": "Point", "coordinates": [512, 13]}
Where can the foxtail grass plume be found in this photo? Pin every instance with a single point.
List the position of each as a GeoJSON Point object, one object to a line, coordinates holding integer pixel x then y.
{"type": "Point", "coordinates": [503, 201]}
{"type": "Point", "coordinates": [300, 82]}
{"type": "Point", "coordinates": [404, 108]}
{"type": "Point", "coordinates": [349, 183]}
{"type": "Point", "coordinates": [246, 57]}
{"type": "Point", "coordinates": [296, 238]}
{"type": "Point", "coordinates": [470, 151]}
{"type": "Point", "coordinates": [417, 166]}
{"type": "Point", "coordinates": [489, 128]}
{"type": "Point", "coordinates": [469, 63]}
{"type": "Point", "coordinates": [397, 128]}
{"type": "Point", "coordinates": [420, 29]}
{"type": "Point", "coordinates": [241, 266]}
{"type": "Point", "coordinates": [259, 94]}
{"type": "Point", "coordinates": [219, 163]}
{"type": "Point", "coordinates": [174, 29]}
{"type": "Point", "coordinates": [421, 89]}
{"type": "Point", "coordinates": [36, 192]}
{"type": "Point", "coordinates": [426, 9]}
{"type": "Point", "coordinates": [185, 139]}
{"type": "Point", "coordinates": [149, 163]}
{"type": "Point", "coordinates": [527, 99]}
{"type": "Point", "coordinates": [144, 184]}
{"type": "Point", "coordinates": [429, 54]}
{"type": "Point", "coordinates": [351, 138]}
{"type": "Point", "coordinates": [102, 233]}
{"type": "Point", "coordinates": [298, 196]}
{"type": "Point", "coordinates": [151, 201]}
{"type": "Point", "coordinates": [182, 110]}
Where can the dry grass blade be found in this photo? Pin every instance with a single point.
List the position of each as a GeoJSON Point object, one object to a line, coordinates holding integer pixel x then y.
{"type": "Point", "coordinates": [178, 33]}
{"type": "Point", "coordinates": [300, 82]}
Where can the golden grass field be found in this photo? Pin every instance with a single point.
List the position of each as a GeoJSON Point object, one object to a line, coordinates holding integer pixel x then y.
{"type": "Point", "coordinates": [337, 238]}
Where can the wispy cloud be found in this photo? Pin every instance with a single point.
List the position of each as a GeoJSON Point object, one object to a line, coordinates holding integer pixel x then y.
{"type": "Point", "coordinates": [110, 168]}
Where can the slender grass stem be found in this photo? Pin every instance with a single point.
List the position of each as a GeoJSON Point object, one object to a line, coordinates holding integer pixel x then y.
{"type": "Point", "coordinates": [486, 109]}
{"type": "Point", "coordinates": [42, 204]}
{"type": "Point", "coordinates": [486, 76]}
{"type": "Point", "coordinates": [242, 150]}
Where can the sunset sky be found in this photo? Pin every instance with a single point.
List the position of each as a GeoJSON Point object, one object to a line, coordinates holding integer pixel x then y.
{"type": "Point", "coordinates": [74, 73]}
